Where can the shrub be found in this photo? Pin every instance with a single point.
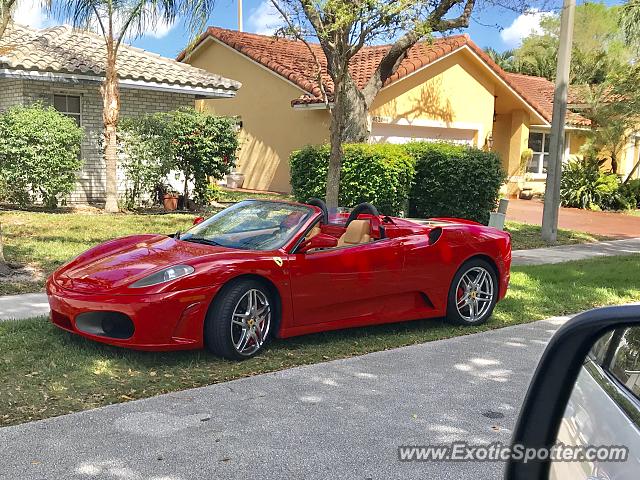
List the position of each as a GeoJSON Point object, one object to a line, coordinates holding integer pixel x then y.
{"type": "Point", "coordinates": [39, 154]}
{"type": "Point", "coordinates": [203, 146]}
{"type": "Point", "coordinates": [633, 187]}
{"type": "Point", "coordinates": [585, 185]}
{"type": "Point", "coordinates": [454, 181]}
{"type": "Point", "coordinates": [380, 174]}
{"type": "Point", "coordinates": [145, 156]}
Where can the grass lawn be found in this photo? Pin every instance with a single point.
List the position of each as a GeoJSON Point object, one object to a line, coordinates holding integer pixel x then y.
{"type": "Point", "coordinates": [525, 236]}
{"type": "Point", "coordinates": [47, 240]}
{"type": "Point", "coordinates": [46, 372]}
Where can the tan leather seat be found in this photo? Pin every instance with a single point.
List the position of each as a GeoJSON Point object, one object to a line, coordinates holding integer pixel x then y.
{"type": "Point", "coordinates": [358, 231]}
{"type": "Point", "coordinates": [313, 232]}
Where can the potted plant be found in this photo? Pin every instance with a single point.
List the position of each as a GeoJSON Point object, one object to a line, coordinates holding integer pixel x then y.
{"type": "Point", "coordinates": [525, 192]}
{"type": "Point", "coordinates": [170, 200]}
{"type": "Point", "coordinates": [235, 180]}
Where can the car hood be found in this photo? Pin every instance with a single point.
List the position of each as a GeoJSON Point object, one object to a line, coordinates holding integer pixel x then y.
{"type": "Point", "coordinates": [120, 263]}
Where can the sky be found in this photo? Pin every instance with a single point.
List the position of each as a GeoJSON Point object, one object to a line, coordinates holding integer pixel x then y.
{"type": "Point", "coordinates": [491, 26]}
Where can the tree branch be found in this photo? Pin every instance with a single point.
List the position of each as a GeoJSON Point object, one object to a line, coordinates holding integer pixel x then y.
{"type": "Point", "coordinates": [391, 61]}
{"type": "Point", "coordinates": [300, 37]}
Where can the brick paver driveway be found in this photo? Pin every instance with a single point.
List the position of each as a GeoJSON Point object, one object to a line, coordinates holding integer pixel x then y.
{"type": "Point", "coordinates": [599, 223]}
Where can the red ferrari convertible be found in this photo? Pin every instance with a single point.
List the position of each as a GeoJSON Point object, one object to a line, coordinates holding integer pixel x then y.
{"type": "Point", "coordinates": [263, 268]}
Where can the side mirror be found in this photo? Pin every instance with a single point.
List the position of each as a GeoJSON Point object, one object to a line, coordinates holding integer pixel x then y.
{"type": "Point", "coordinates": [198, 220]}
{"type": "Point", "coordinates": [322, 240]}
{"type": "Point", "coordinates": [584, 393]}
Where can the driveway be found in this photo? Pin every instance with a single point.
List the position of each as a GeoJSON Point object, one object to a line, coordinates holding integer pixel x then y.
{"type": "Point", "coordinates": [600, 223]}
{"type": "Point", "coordinates": [341, 419]}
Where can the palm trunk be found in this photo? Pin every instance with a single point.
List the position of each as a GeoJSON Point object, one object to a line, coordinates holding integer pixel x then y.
{"type": "Point", "coordinates": [5, 15]}
{"type": "Point", "coordinates": [110, 117]}
{"type": "Point", "coordinates": [349, 123]}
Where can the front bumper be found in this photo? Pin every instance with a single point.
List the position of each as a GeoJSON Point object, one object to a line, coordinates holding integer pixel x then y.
{"type": "Point", "coordinates": [166, 321]}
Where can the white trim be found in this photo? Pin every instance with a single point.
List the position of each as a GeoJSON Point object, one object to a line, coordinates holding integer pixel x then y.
{"type": "Point", "coordinates": [209, 92]}
{"type": "Point", "coordinates": [467, 126]}
{"type": "Point", "coordinates": [419, 122]}
{"type": "Point", "coordinates": [220, 42]}
{"type": "Point", "coordinates": [500, 79]}
{"type": "Point", "coordinates": [313, 106]}
{"type": "Point", "coordinates": [547, 128]}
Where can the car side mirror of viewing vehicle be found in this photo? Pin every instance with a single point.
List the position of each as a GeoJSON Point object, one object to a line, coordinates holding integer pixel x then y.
{"type": "Point", "coordinates": [581, 416]}
{"type": "Point", "coordinates": [321, 240]}
{"type": "Point", "coordinates": [198, 220]}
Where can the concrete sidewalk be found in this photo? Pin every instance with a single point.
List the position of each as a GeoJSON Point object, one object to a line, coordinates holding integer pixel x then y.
{"type": "Point", "coordinates": [567, 253]}
{"type": "Point", "coordinates": [23, 306]}
{"type": "Point", "coordinates": [340, 419]}
{"type": "Point", "coordinates": [35, 304]}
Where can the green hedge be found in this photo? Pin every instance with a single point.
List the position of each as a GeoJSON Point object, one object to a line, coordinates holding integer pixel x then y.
{"type": "Point", "coordinates": [454, 181]}
{"type": "Point", "coordinates": [39, 155]}
{"type": "Point", "coordinates": [420, 178]}
{"type": "Point", "coordinates": [379, 174]}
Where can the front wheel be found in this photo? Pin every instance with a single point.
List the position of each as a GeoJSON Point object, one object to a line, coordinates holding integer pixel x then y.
{"type": "Point", "coordinates": [473, 293]}
{"type": "Point", "coordinates": [239, 321]}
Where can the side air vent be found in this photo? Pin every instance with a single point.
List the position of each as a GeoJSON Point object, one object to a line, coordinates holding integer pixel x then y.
{"type": "Point", "coordinates": [434, 235]}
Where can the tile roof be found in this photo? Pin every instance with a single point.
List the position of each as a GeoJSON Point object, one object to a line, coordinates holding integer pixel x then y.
{"type": "Point", "coordinates": [541, 90]}
{"type": "Point", "coordinates": [292, 60]}
{"type": "Point", "coordinates": [65, 50]}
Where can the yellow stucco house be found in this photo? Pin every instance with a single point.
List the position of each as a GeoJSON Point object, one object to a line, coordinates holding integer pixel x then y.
{"type": "Point", "coordinates": [448, 89]}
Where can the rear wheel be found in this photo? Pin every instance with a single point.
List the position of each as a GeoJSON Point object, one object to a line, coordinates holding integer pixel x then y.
{"type": "Point", "coordinates": [473, 293]}
{"type": "Point", "coordinates": [239, 321]}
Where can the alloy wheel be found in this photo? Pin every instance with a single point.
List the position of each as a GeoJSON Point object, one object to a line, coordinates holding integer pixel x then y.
{"type": "Point", "coordinates": [474, 294]}
{"type": "Point", "coordinates": [250, 322]}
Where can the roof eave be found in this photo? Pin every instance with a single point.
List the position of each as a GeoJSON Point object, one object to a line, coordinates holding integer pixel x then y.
{"type": "Point", "coordinates": [200, 91]}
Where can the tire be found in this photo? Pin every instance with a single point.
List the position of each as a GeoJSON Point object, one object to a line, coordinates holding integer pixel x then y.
{"type": "Point", "coordinates": [234, 329]}
{"type": "Point", "coordinates": [464, 294]}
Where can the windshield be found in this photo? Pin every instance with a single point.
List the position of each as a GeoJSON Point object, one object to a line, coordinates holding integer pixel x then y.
{"type": "Point", "coordinates": [251, 225]}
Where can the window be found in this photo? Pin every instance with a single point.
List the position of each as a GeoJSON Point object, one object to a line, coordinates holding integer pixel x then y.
{"type": "Point", "coordinates": [623, 359]}
{"type": "Point", "coordinates": [69, 105]}
{"type": "Point", "coordinates": [539, 143]}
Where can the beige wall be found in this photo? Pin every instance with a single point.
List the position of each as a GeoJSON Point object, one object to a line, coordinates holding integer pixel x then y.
{"type": "Point", "coordinates": [271, 128]}
{"type": "Point", "coordinates": [454, 92]}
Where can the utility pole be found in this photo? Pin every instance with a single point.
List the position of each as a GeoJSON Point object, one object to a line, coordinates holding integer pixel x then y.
{"type": "Point", "coordinates": [240, 15]}
{"type": "Point", "coordinates": [556, 141]}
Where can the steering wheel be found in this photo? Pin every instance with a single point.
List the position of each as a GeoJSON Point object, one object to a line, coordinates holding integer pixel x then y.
{"type": "Point", "coordinates": [316, 202]}
{"type": "Point", "coordinates": [362, 208]}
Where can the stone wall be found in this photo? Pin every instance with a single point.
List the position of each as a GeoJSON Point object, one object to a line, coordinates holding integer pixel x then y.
{"type": "Point", "coordinates": [10, 93]}
{"type": "Point", "coordinates": [91, 179]}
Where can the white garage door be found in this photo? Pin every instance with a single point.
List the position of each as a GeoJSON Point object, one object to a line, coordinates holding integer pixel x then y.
{"type": "Point", "coordinates": [389, 133]}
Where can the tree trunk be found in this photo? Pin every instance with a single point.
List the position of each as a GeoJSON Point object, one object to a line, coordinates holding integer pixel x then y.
{"type": "Point", "coordinates": [633, 170]}
{"type": "Point", "coordinates": [614, 163]}
{"type": "Point", "coordinates": [5, 14]}
{"type": "Point", "coordinates": [349, 123]}
{"type": "Point", "coordinates": [186, 187]}
{"type": "Point", "coordinates": [110, 116]}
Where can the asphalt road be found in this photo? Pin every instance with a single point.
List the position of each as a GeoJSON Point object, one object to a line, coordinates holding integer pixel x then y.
{"type": "Point", "coordinates": [341, 419]}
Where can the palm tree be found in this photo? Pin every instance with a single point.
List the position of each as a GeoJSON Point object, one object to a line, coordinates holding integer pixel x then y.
{"type": "Point", "coordinates": [505, 60]}
{"type": "Point", "coordinates": [117, 20]}
{"type": "Point", "coordinates": [630, 21]}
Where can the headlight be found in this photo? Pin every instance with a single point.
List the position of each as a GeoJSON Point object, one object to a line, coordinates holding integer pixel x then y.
{"type": "Point", "coordinates": [163, 276]}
